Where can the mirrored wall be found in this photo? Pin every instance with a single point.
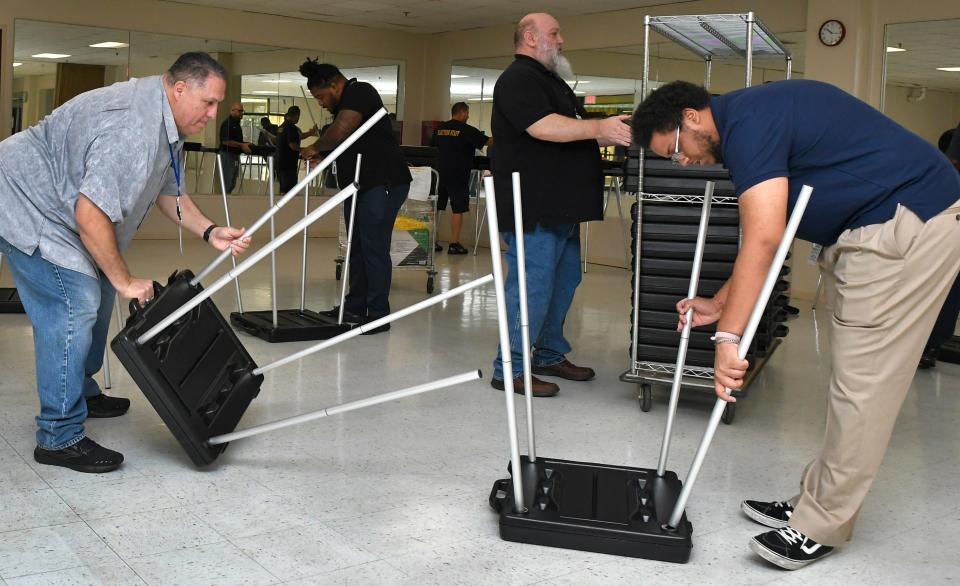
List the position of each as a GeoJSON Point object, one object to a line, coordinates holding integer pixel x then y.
{"type": "Point", "coordinates": [922, 76]}
{"type": "Point", "coordinates": [54, 62]}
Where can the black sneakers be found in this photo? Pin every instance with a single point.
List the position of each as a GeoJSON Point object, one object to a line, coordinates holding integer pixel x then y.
{"type": "Point", "coordinates": [788, 548]}
{"type": "Point", "coordinates": [103, 406]}
{"type": "Point", "coordinates": [775, 515]}
{"type": "Point", "coordinates": [83, 456]}
{"type": "Point", "coordinates": [456, 248]}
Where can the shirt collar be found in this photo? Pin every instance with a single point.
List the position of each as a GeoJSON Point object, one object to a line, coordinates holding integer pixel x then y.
{"type": "Point", "coordinates": [173, 135]}
{"type": "Point", "coordinates": [717, 108]}
{"type": "Point", "coordinates": [520, 57]}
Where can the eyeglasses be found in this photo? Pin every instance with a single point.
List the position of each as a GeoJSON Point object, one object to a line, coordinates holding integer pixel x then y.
{"type": "Point", "coordinates": [676, 157]}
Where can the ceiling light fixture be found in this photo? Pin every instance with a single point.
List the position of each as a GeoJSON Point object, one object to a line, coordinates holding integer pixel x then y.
{"type": "Point", "coordinates": [948, 68]}
{"type": "Point", "coordinates": [896, 49]}
{"type": "Point", "coordinates": [457, 76]}
{"type": "Point", "coordinates": [110, 45]}
{"type": "Point", "coordinates": [50, 56]}
{"type": "Point", "coordinates": [16, 64]}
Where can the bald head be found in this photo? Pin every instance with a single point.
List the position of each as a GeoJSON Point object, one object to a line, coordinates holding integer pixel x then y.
{"type": "Point", "coordinates": [236, 110]}
{"type": "Point", "coordinates": [531, 27]}
{"type": "Point", "coordinates": [538, 36]}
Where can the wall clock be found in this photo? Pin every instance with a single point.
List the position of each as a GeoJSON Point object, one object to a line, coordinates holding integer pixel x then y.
{"type": "Point", "coordinates": [832, 33]}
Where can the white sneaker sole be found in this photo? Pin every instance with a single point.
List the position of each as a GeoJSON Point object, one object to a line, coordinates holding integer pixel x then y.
{"type": "Point", "coordinates": [765, 520]}
{"type": "Point", "coordinates": [778, 560]}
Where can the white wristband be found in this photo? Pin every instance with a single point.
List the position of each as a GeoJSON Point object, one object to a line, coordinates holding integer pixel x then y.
{"type": "Point", "coordinates": [725, 338]}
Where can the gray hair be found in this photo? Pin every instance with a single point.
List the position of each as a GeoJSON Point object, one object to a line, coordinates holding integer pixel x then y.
{"type": "Point", "coordinates": [196, 67]}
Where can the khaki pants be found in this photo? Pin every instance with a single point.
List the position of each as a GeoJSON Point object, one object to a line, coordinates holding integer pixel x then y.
{"type": "Point", "coordinates": [885, 283]}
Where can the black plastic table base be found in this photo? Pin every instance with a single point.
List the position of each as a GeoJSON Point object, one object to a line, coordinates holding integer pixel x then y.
{"type": "Point", "coordinates": [293, 325]}
{"type": "Point", "coordinates": [594, 507]}
{"type": "Point", "coordinates": [10, 301]}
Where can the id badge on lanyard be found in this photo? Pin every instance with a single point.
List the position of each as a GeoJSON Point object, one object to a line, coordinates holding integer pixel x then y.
{"type": "Point", "coordinates": [175, 165]}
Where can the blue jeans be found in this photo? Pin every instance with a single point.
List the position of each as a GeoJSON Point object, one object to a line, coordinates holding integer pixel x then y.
{"type": "Point", "coordinates": [553, 273]}
{"type": "Point", "coordinates": [371, 269]}
{"type": "Point", "coordinates": [70, 313]}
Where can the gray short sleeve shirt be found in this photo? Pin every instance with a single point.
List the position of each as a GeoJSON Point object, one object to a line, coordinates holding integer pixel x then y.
{"type": "Point", "coordinates": [110, 144]}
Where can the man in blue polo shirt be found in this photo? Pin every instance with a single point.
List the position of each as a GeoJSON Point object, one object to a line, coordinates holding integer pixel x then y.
{"type": "Point", "coordinates": [884, 207]}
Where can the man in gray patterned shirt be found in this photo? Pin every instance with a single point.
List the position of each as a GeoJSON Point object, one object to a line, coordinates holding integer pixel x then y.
{"type": "Point", "coordinates": [73, 191]}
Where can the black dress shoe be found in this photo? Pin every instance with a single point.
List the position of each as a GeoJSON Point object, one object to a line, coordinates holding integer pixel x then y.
{"type": "Point", "coordinates": [384, 328]}
{"type": "Point", "coordinates": [103, 406]}
{"type": "Point", "coordinates": [929, 357]}
{"type": "Point", "coordinates": [348, 316]}
{"type": "Point", "coordinates": [83, 456]}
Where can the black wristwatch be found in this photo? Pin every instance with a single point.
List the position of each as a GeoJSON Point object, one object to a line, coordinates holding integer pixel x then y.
{"type": "Point", "coordinates": [206, 233]}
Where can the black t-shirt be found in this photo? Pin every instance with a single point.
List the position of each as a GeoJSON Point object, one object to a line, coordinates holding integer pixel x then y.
{"type": "Point", "coordinates": [560, 182]}
{"type": "Point", "coordinates": [230, 129]}
{"type": "Point", "coordinates": [382, 162]}
{"type": "Point", "coordinates": [457, 141]}
{"type": "Point", "coordinates": [287, 158]}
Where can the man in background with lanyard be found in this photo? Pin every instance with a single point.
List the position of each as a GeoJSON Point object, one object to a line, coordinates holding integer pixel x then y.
{"type": "Point", "coordinates": [74, 189]}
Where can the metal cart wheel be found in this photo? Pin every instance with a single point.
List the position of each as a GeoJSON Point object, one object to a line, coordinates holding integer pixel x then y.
{"type": "Point", "coordinates": [729, 412]}
{"type": "Point", "coordinates": [429, 284]}
{"type": "Point", "coordinates": [646, 397]}
{"type": "Point", "coordinates": [339, 269]}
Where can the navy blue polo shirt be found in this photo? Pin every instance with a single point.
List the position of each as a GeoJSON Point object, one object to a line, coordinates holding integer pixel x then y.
{"type": "Point", "coordinates": [860, 163]}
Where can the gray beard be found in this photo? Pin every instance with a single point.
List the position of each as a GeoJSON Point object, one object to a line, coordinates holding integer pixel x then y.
{"type": "Point", "coordinates": [561, 65]}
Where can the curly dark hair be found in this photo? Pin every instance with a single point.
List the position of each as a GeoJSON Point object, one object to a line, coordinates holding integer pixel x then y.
{"type": "Point", "coordinates": [319, 75]}
{"type": "Point", "coordinates": [663, 108]}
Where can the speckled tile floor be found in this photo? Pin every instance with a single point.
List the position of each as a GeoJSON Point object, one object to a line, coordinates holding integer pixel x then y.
{"type": "Point", "coordinates": [396, 494]}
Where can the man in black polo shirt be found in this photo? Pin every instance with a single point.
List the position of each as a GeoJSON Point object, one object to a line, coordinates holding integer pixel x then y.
{"type": "Point", "coordinates": [384, 183]}
{"type": "Point", "coordinates": [541, 133]}
{"type": "Point", "coordinates": [288, 148]}
{"type": "Point", "coordinates": [231, 145]}
{"type": "Point", "coordinates": [457, 142]}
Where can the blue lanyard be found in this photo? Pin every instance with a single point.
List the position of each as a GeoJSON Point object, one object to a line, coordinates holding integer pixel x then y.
{"type": "Point", "coordinates": [175, 165]}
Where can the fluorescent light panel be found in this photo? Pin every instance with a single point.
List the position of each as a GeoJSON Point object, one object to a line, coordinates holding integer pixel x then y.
{"type": "Point", "coordinates": [457, 76]}
{"type": "Point", "coordinates": [948, 69]}
{"type": "Point", "coordinates": [895, 49]}
{"type": "Point", "coordinates": [16, 64]}
{"type": "Point", "coordinates": [109, 45]}
{"type": "Point", "coordinates": [50, 56]}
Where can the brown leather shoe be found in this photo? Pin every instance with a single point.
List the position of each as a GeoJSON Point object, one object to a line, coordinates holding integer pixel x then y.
{"type": "Point", "coordinates": [567, 370]}
{"type": "Point", "coordinates": [540, 388]}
